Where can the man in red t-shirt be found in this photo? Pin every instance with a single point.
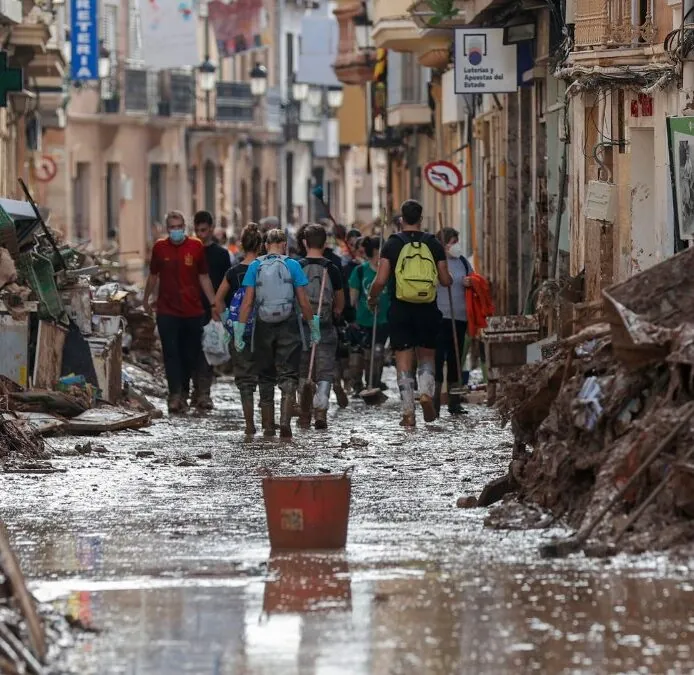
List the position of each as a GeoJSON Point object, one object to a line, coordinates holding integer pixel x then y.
{"type": "Point", "coordinates": [179, 266]}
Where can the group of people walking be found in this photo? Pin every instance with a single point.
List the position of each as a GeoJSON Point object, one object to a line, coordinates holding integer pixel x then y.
{"type": "Point", "coordinates": [312, 319]}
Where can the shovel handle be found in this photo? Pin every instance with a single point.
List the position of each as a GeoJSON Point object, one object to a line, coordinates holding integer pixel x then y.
{"type": "Point", "coordinates": [349, 471]}
{"type": "Point", "coordinates": [320, 307]}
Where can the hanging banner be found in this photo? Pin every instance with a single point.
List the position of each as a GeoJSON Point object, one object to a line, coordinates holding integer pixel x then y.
{"type": "Point", "coordinates": [483, 63]}
{"type": "Point", "coordinates": [238, 26]}
{"type": "Point", "coordinates": [169, 34]}
{"type": "Point", "coordinates": [84, 38]}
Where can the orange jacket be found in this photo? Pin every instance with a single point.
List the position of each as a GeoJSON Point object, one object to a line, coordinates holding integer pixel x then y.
{"type": "Point", "coordinates": [479, 302]}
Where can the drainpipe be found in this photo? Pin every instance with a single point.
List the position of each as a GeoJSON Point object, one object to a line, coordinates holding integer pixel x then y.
{"type": "Point", "coordinates": [281, 148]}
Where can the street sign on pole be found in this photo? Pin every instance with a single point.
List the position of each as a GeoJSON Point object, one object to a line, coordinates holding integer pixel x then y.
{"type": "Point", "coordinates": [11, 79]}
{"type": "Point", "coordinates": [444, 177]}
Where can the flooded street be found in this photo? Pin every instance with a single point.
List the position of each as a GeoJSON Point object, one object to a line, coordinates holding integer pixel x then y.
{"type": "Point", "coordinates": [167, 555]}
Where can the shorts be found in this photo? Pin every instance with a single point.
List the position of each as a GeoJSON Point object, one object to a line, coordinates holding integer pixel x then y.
{"type": "Point", "coordinates": [382, 331]}
{"type": "Point", "coordinates": [413, 326]}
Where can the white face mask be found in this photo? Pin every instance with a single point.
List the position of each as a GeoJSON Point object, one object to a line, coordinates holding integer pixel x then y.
{"type": "Point", "coordinates": [455, 251]}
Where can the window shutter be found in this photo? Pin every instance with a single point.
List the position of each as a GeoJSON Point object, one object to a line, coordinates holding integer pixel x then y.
{"type": "Point", "coordinates": [135, 57]}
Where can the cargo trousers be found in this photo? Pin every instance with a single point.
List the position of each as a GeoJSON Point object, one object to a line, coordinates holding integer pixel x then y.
{"type": "Point", "coordinates": [326, 356]}
{"type": "Point", "coordinates": [277, 351]}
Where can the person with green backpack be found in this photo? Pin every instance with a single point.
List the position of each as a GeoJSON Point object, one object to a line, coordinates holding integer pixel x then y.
{"type": "Point", "coordinates": [414, 264]}
{"type": "Point", "coordinates": [276, 288]}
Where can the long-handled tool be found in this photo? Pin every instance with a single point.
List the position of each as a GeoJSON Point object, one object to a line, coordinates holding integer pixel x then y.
{"type": "Point", "coordinates": [459, 389]}
{"type": "Point", "coordinates": [563, 547]}
{"type": "Point", "coordinates": [44, 227]}
{"type": "Point", "coordinates": [373, 395]}
{"type": "Point", "coordinates": [309, 387]}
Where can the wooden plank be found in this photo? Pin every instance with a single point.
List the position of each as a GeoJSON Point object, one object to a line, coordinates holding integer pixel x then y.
{"type": "Point", "coordinates": [48, 361]}
{"type": "Point", "coordinates": [12, 572]}
{"type": "Point", "coordinates": [98, 420]}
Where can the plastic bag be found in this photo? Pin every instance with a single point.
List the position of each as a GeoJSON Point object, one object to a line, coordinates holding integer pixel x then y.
{"type": "Point", "coordinates": [215, 343]}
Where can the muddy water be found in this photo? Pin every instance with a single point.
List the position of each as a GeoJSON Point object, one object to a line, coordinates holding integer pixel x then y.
{"type": "Point", "coordinates": [172, 564]}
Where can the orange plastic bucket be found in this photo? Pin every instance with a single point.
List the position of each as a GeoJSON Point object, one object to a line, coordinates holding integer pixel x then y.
{"type": "Point", "coordinates": [307, 512]}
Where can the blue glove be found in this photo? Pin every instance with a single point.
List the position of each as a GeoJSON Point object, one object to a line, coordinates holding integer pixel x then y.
{"type": "Point", "coordinates": [315, 330]}
{"type": "Point", "coordinates": [239, 342]}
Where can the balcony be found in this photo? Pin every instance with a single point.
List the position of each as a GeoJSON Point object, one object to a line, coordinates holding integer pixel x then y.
{"type": "Point", "coordinates": [408, 92]}
{"type": "Point", "coordinates": [150, 93]}
{"type": "Point", "coordinates": [234, 103]}
{"type": "Point", "coordinates": [613, 24]}
{"type": "Point", "coordinates": [394, 27]}
{"type": "Point", "coordinates": [355, 60]}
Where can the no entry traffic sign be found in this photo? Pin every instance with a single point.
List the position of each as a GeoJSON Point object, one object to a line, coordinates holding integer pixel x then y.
{"type": "Point", "coordinates": [444, 177]}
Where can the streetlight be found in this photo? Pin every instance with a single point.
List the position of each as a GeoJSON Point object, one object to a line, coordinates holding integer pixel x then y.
{"type": "Point", "coordinates": [315, 96]}
{"type": "Point", "coordinates": [258, 80]}
{"type": "Point", "coordinates": [207, 75]}
{"type": "Point", "coordinates": [299, 91]}
{"type": "Point", "coordinates": [335, 97]}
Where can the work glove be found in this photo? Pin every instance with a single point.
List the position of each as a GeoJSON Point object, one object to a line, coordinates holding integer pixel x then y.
{"type": "Point", "coordinates": [315, 330]}
{"type": "Point", "coordinates": [239, 342]}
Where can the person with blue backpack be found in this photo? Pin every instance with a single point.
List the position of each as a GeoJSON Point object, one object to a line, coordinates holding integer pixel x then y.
{"type": "Point", "coordinates": [276, 290]}
{"type": "Point", "coordinates": [232, 288]}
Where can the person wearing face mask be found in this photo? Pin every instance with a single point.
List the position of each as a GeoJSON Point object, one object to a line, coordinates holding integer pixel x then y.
{"type": "Point", "coordinates": [178, 267]}
{"type": "Point", "coordinates": [460, 268]}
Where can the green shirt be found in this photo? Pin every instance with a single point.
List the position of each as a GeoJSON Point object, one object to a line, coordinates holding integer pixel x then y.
{"type": "Point", "coordinates": [361, 279]}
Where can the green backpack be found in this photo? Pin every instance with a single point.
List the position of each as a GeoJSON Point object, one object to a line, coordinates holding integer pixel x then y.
{"type": "Point", "coordinates": [416, 276]}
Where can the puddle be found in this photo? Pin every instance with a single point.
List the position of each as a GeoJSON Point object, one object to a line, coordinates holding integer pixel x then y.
{"type": "Point", "coordinates": [172, 563]}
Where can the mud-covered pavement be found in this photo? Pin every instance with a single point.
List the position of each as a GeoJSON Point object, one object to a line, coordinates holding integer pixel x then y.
{"type": "Point", "coordinates": [167, 556]}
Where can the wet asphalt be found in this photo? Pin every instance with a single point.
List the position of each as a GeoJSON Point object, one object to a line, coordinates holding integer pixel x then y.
{"type": "Point", "coordinates": [166, 556]}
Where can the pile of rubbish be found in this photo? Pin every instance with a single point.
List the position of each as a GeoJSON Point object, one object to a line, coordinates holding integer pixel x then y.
{"type": "Point", "coordinates": [32, 638]}
{"type": "Point", "coordinates": [604, 427]}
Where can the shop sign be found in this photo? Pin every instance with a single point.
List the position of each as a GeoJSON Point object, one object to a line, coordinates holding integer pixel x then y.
{"type": "Point", "coordinates": [483, 63]}
{"type": "Point", "coordinates": [84, 37]}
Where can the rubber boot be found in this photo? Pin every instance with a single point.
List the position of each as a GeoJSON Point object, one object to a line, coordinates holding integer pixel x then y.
{"type": "Point", "coordinates": [248, 411]}
{"type": "Point", "coordinates": [176, 404]}
{"type": "Point", "coordinates": [267, 416]}
{"type": "Point", "coordinates": [340, 394]}
{"type": "Point", "coordinates": [454, 407]}
{"type": "Point", "coordinates": [437, 398]}
{"type": "Point", "coordinates": [321, 416]}
{"type": "Point", "coordinates": [356, 368]}
{"type": "Point", "coordinates": [286, 410]}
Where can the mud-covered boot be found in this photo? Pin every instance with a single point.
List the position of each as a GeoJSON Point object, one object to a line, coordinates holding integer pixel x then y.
{"type": "Point", "coordinates": [321, 416]}
{"type": "Point", "coordinates": [437, 398]}
{"type": "Point", "coordinates": [286, 410]}
{"type": "Point", "coordinates": [340, 394]}
{"type": "Point", "coordinates": [248, 411]}
{"type": "Point", "coordinates": [454, 407]}
{"type": "Point", "coordinates": [267, 417]}
{"type": "Point", "coordinates": [176, 404]}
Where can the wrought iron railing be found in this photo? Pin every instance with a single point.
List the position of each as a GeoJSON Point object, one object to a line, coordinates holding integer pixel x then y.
{"type": "Point", "coordinates": [613, 23]}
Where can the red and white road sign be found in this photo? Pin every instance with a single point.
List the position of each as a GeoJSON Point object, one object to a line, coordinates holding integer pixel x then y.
{"type": "Point", "coordinates": [444, 177]}
{"type": "Point", "coordinates": [45, 169]}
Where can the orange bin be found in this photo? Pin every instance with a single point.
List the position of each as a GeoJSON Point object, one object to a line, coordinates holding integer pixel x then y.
{"type": "Point", "coordinates": [307, 512]}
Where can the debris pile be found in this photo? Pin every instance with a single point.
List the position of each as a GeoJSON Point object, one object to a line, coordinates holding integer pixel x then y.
{"type": "Point", "coordinates": [32, 639]}
{"type": "Point", "coordinates": [609, 418]}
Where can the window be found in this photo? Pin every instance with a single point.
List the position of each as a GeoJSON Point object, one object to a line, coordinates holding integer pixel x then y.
{"type": "Point", "coordinates": [135, 57]}
{"type": "Point", "coordinates": [157, 197]}
{"type": "Point", "coordinates": [112, 200]}
{"type": "Point", "coordinates": [210, 181]}
{"type": "Point", "coordinates": [80, 203]}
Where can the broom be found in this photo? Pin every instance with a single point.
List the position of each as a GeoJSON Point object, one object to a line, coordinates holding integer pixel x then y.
{"type": "Point", "coordinates": [309, 388]}
{"type": "Point", "coordinates": [459, 389]}
{"type": "Point", "coordinates": [374, 395]}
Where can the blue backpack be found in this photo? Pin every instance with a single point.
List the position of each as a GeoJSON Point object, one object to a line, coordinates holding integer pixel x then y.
{"type": "Point", "coordinates": [234, 311]}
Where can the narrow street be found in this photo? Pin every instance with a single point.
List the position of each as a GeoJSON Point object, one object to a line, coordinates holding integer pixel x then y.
{"type": "Point", "coordinates": [171, 564]}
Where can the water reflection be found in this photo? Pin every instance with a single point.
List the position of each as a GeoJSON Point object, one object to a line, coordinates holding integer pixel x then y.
{"type": "Point", "coordinates": [306, 582]}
